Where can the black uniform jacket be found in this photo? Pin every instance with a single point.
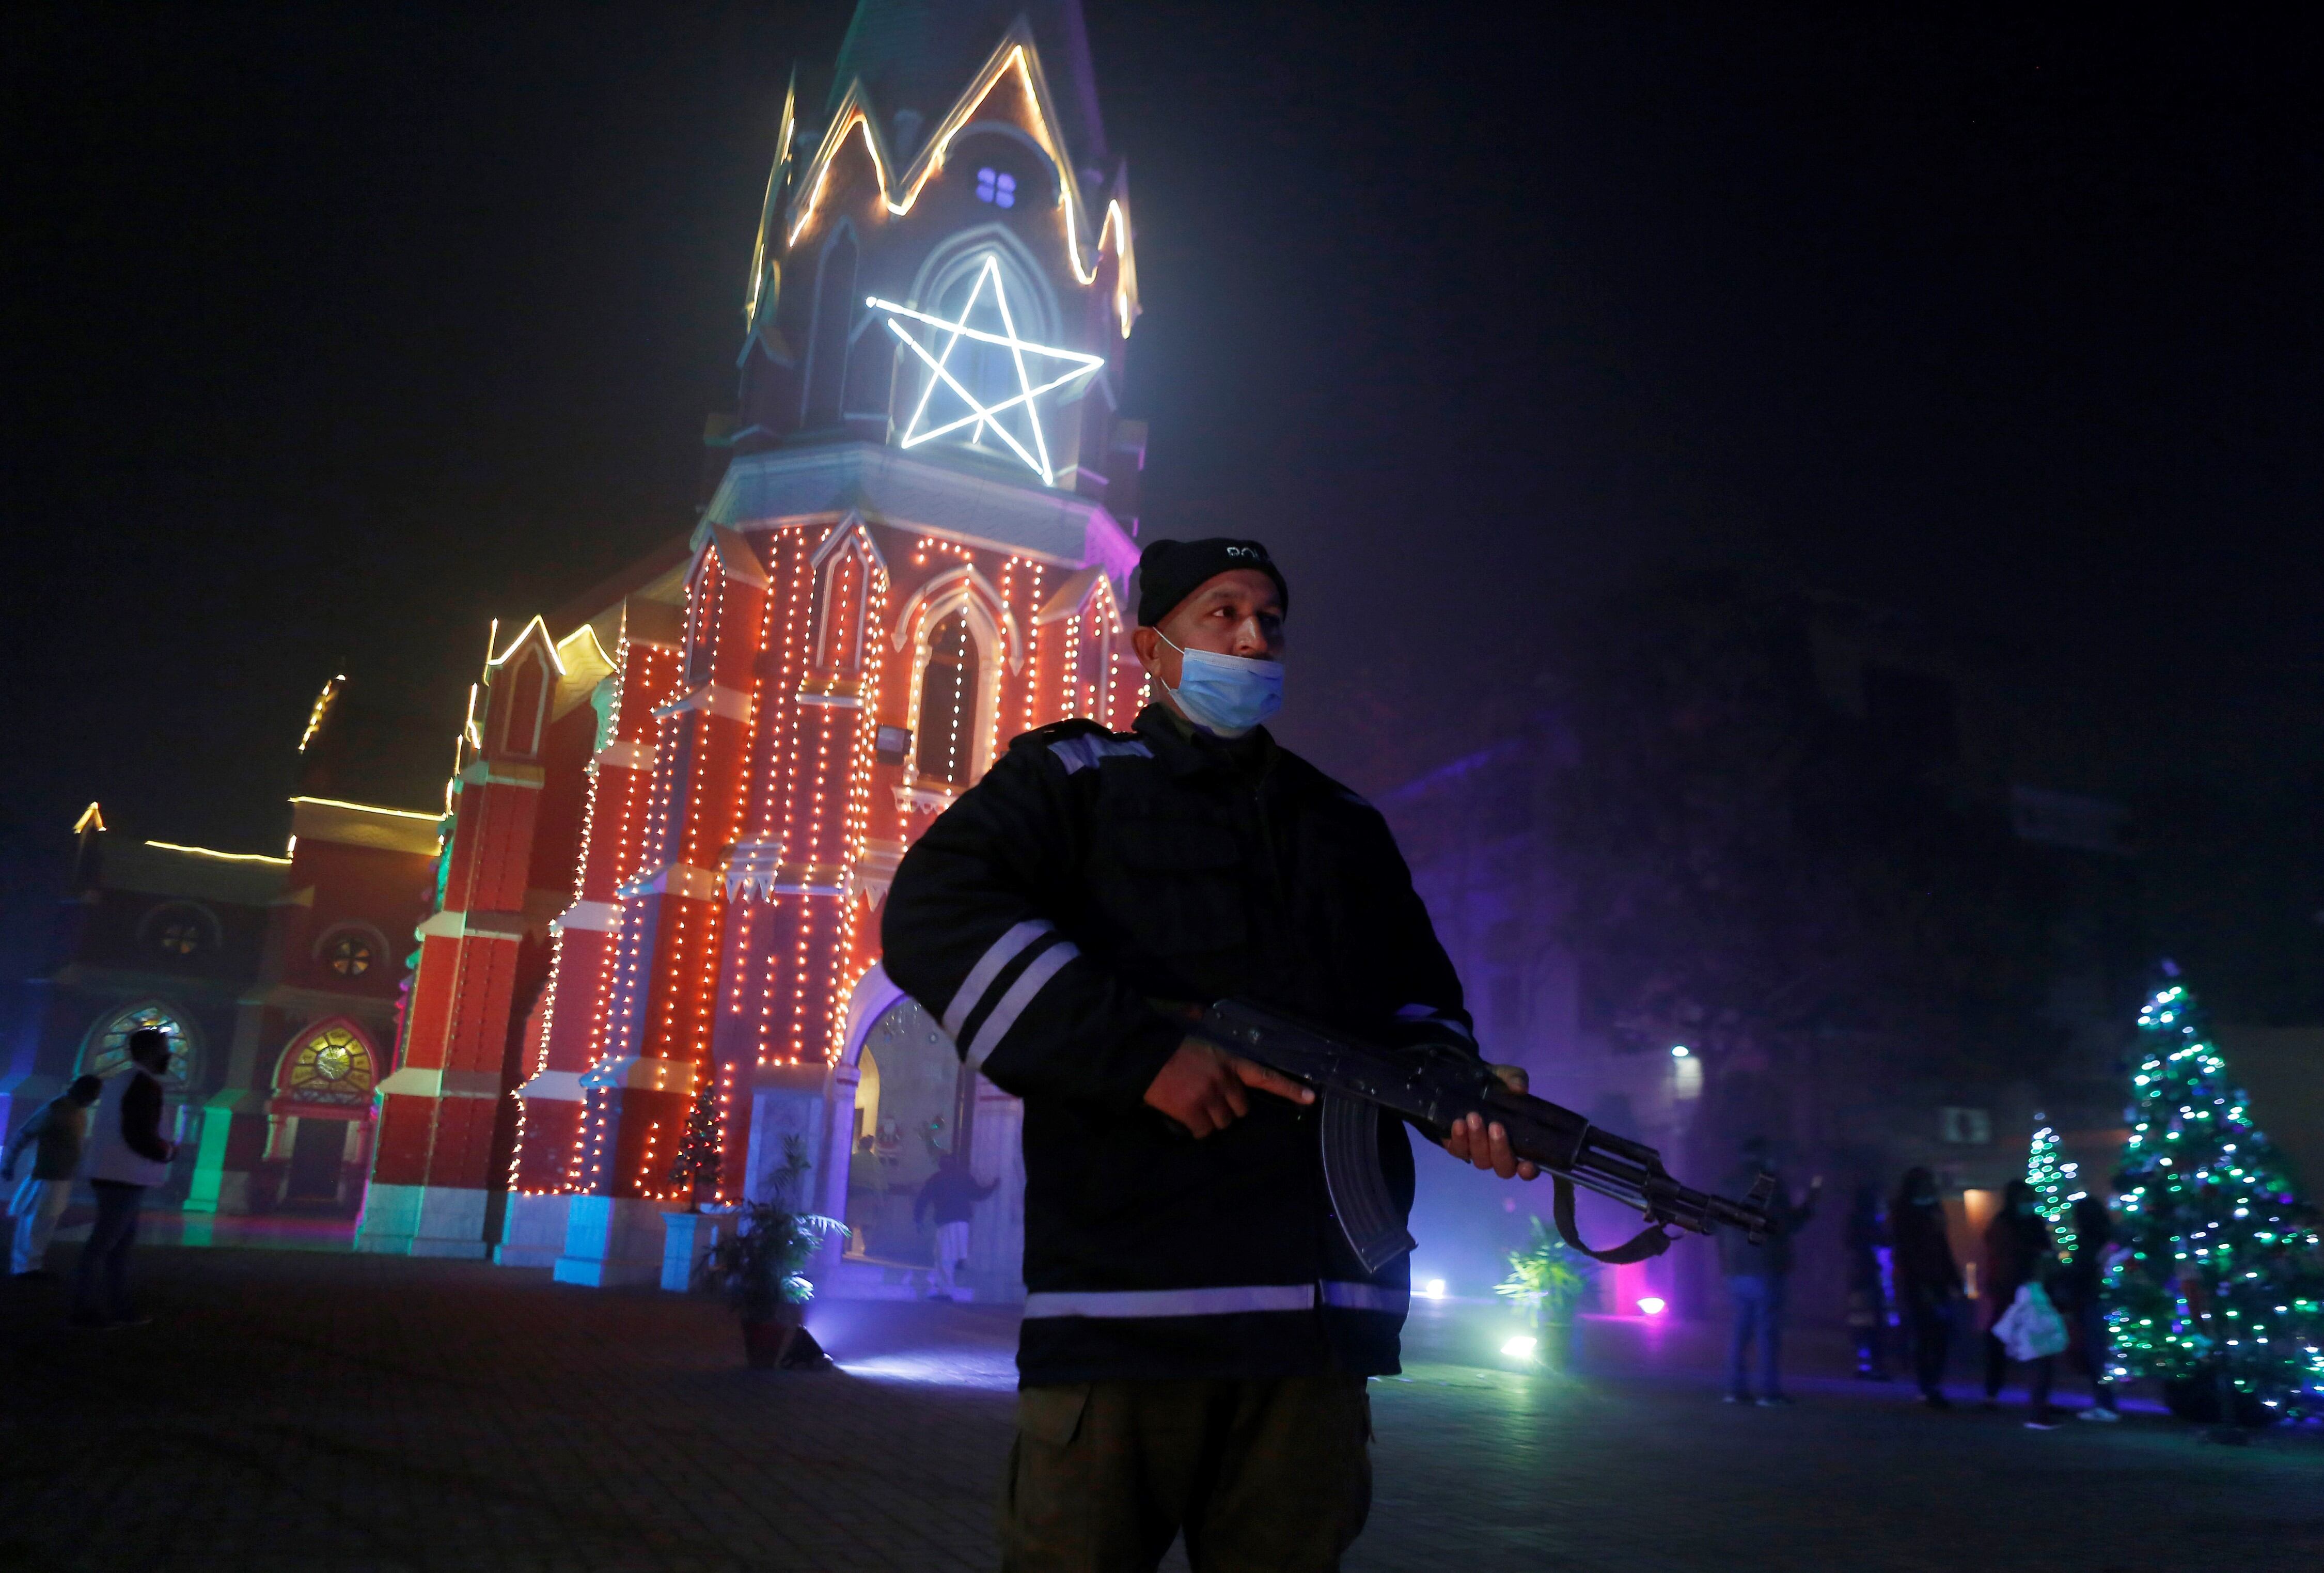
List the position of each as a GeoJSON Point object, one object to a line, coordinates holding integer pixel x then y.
{"type": "Point", "coordinates": [1090, 875]}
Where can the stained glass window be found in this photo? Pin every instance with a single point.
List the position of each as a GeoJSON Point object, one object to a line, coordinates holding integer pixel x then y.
{"type": "Point", "coordinates": [330, 1065]}
{"type": "Point", "coordinates": [350, 956]}
{"type": "Point", "coordinates": [109, 1051]}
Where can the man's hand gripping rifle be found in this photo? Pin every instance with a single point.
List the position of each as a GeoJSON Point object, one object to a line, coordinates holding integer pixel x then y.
{"type": "Point", "coordinates": [1433, 1085]}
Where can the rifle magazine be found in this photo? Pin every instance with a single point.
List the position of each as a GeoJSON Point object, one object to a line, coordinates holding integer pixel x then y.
{"type": "Point", "coordinates": [1367, 1214]}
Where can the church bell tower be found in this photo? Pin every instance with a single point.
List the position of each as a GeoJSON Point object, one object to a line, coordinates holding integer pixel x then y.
{"type": "Point", "coordinates": [916, 549]}
{"type": "Point", "coordinates": [944, 264]}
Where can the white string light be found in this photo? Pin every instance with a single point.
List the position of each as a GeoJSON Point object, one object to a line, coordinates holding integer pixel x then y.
{"type": "Point", "coordinates": [981, 417]}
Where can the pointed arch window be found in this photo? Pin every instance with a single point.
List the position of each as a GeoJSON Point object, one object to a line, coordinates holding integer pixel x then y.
{"type": "Point", "coordinates": [993, 298]}
{"type": "Point", "coordinates": [331, 1065]}
{"type": "Point", "coordinates": [703, 608]}
{"type": "Point", "coordinates": [978, 361]}
{"type": "Point", "coordinates": [834, 314]}
{"type": "Point", "coordinates": [846, 601]}
{"type": "Point", "coordinates": [946, 745]}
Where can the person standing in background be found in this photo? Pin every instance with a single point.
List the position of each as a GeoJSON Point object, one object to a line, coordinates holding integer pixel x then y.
{"type": "Point", "coordinates": [1928, 1280]}
{"type": "Point", "coordinates": [1866, 1244]}
{"type": "Point", "coordinates": [2081, 1285]}
{"type": "Point", "coordinates": [128, 1156]}
{"type": "Point", "coordinates": [951, 1193]}
{"type": "Point", "coordinates": [60, 1126]}
{"type": "Point", "coordinates": [2018, 1251]}
{"type": "Point", "coordinates": [1757, 1276]}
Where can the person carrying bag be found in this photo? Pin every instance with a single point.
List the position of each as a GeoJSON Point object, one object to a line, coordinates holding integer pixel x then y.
{"type": "Point", "coordinates": [2019, 1254]}
{"type": "Point", "coordinates": [2032, 1329]}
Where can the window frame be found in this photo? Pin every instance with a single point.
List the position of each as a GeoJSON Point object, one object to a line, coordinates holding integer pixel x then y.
{"type": "Point", "coordinates": [185, 1055]}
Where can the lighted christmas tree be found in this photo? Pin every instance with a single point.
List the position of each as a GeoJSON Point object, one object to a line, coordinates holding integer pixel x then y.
{"type": "Point", "coordinates": [2223, 1278]}
{"type": "Point", "coordinates": [697, 1167]}
{"type": "Point", "coordinates": [2056, 1185]}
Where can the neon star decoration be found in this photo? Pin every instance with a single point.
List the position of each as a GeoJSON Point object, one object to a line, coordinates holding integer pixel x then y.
{"type": "Point", "coordinates": [943, 337]}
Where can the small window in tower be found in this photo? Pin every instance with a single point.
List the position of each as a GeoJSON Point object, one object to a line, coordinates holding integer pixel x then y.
{"type": "Point", "coordinates": [998, 186]}
{"type": "Point", "coordinates": [350, 957]}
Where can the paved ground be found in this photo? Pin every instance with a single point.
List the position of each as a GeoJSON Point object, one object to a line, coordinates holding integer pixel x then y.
{"type": "Point", "coordinates": [291, 1410]}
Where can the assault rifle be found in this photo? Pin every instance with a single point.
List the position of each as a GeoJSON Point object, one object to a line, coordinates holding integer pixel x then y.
{"type": "Point", "coordinates": [1433, 1085]}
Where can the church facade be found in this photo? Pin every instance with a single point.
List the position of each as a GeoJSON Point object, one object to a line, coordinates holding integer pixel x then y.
{"type": "Point", "coordinates": [281, 979]}
{"type": "Point", "coordinates": [679, 803]}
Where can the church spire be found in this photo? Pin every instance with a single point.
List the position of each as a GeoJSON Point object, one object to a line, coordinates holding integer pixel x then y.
{"type": "Point", "coordinates": [956, 246]}
{"type": "Point", "coordinates": [912, 56]}
{"type": "Point", "coordinates": [765, 273]}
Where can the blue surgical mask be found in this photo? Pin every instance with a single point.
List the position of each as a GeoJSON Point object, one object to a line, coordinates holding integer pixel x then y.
{"type": "Point", "coordinates": [1226, 695]}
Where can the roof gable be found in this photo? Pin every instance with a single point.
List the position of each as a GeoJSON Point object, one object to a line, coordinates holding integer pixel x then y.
{"type": "Point", "coordinates": [856, 107]}
{"type": "Point", "coordinates": [913, 54]}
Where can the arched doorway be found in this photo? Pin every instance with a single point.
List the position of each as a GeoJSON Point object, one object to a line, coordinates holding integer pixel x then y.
{"type": "Point", "coordinates": [901, 1098]}
{"type": "Point", "coordinates": [319, 1119]}
{"type": "Point", "coordinates": [908, 1116]}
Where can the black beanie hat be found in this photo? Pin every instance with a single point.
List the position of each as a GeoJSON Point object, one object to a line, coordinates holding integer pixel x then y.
{"type": "Point", "coordinates": [1171, 570]}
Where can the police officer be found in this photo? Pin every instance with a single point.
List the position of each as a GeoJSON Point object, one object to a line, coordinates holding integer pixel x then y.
{"type": "Point", "coordinates": [1196, 1334]}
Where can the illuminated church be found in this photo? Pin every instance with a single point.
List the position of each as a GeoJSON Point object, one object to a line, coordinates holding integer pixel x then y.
{"type": "Point", "coordinates": [679, 803]}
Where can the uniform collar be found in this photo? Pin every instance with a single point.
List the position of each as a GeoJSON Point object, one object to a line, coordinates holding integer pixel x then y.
{"type": "Point", "coordinates": [1185, 750]}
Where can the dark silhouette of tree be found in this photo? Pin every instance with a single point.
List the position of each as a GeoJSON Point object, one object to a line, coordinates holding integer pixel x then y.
{"type": "Point", "coordinates": [1746, 866]}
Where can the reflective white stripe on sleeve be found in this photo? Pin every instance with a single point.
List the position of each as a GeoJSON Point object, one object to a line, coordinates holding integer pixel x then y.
{"type": "Point", "coordinates": [1127, 1302]}
{"type": "Point", "coordinates": [1079, 753]}
{"type": "Point", "coordinates": [1005, 950]}
{"type": "Point", "coordinates": [1366, 1297]}
{"type": "Point", "coordinates": [1012, 1005]}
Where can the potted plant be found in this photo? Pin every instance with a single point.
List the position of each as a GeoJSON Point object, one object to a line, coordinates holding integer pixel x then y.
{"type": "Point", "coordinates": [1546, 1281]}
{"type": "Point", "coordinates": [759, 1269]}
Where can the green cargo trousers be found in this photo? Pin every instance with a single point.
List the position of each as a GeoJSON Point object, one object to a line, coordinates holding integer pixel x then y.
{"type": "Point", "coordinates": [1269, 1475]}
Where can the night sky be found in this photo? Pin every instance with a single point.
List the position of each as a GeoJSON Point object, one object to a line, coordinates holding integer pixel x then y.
{"type": "Point", "coordinates": [333, 334]}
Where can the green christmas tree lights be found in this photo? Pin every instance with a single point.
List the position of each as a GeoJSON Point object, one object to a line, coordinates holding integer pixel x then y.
{"type": "Point", "coordinates": [2223, 1260]}
{"type": "Point", "coordinates": [2057, 1186]}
